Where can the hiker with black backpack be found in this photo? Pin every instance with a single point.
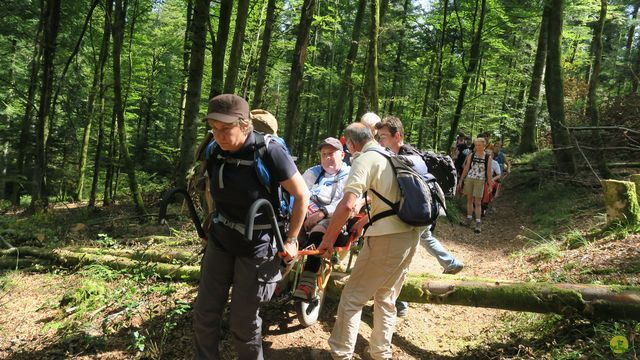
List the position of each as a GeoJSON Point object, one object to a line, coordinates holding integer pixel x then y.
{"type": "Point", "coordinates": [391, 135]}
{"type": "Point", "coordinates": [243, 166]}
{"type": "Point", "coordinates": [390, 244]}
{"type": "Point", "coordinates": [474, 177]}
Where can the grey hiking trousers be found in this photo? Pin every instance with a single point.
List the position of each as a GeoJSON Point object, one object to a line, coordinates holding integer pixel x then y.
{"type": "Point", "coordinates": [254, 281]}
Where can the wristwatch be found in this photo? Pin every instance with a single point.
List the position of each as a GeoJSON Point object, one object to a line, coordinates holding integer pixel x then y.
{"type": "Point", "coordinates": [291, 239]}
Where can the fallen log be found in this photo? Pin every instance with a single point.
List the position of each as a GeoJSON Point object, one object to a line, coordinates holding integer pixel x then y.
{"type": "Point", "coordinates": [169, 256]}
{"type": "Point", "coordinates": [589, 301]}
{"type": "Point", "coordinates": [70, 258]}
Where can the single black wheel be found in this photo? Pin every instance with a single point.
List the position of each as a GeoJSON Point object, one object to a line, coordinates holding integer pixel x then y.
{"type": "Point", "coordinates": [309, 311]}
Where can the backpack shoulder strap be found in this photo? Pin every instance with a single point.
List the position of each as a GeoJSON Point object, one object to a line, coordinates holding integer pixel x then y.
{"type": "Point", "coordinates": [486, 167]}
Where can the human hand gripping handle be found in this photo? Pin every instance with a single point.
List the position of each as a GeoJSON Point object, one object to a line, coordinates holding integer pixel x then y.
{"type": "Point", "coordinates": [326, 247]}
{"type": "Point", "coordinates": [290, 249]}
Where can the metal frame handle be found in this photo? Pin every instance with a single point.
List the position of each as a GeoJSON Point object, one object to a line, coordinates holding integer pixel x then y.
{"type": "Point", "coordinates": [193, 214]}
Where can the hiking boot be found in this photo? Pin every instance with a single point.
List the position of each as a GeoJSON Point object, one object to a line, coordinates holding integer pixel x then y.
{"type": "Point", "coordinates": [469, 221]}
{"type": "Point", "coordinates": [478, 228]}
{"type": "Point", "coordinates": [402, 309]}
{"type": "Point", "coordinates": [307, 286]}
{"type": "Point", "coordinates": [367, 354]}
{"type": "Point", "coordinates": [453, 269]}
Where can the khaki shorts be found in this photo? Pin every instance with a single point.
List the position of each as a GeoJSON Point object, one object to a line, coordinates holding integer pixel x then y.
{"type": "Point", "coordinates": [473, 187]}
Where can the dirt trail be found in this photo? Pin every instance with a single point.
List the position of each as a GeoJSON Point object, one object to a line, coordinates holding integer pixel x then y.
{"type": "Point", "coordinates": [431, 331]}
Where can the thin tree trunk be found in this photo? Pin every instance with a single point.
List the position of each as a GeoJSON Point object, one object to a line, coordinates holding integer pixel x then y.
{"type": "Point", "coordinates": [425, 103]}
{"type": "Point", "coordinates": [194, 89]}
{"type": "Point", "coordinates": [370, 91]}
{"type": "Point", "coordinates": [398, 66]}
{"type": "Point", "coordinates": [112, 163]}
{"type": "Point", "coordinates": [296, 79]}
{"type": "Point", "coordinates": [98, 75]}
{"type": "Point", "coordinates": [186, 51]}
{"type": "Point", "coordinates": [473, 62]}
{"type": "Point", "coordinates": [439, 79]}
{"type": "Point", "coordinates": [127, 163]}
{"type": "Point", "coordinates": [236, 47]}
{"type": "Point", "coordinates": [347, 86]}
{"type": "Point", "coordinates": [554, 85]}
{"type": "Point", "coordinates": [97, 162]}
{"type": "Point", "coordinates": [264, 54]}
{"type": "Point", "coordinates": [25, 127]}
{"type": "Point", "coordinates": [4, 157]}
{"type": "Point", "coordinates": [250, 67]}
{"type": "Point", "coordinates": [592, 98]}
{"type": "Point", "coordinates": [52, 21]}
{"type": "Point", "coordinates": [528, 139]}
{"type": "Point", "coordinates": [219, 50]}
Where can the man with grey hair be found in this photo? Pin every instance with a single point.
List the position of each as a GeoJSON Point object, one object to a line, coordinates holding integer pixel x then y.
{"type": "Point", "coordinates": [383, 262]}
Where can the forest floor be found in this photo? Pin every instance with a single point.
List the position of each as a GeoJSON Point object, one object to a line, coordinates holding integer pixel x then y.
{"type": "Point", "coordinates": [94, 312]}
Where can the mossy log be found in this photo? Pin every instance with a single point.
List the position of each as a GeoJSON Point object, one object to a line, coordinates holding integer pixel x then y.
{"type": "Point", "coordinates": [11, 262]}
{"type": "Point", "coordinates": [70, 258]}
{"type": "Point", "coordinates": [589, 301]}
{"type": "Point", "coordinates": [621, 201]}
{"type": "Point", "coordinates": [169, 256]}
{"type": "Point", "coordinates": [635, 178]}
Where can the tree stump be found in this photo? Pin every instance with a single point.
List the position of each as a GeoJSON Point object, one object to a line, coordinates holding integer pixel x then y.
{"type": "Point", "coordinates": [621, 201]}
{"type": "Point", "coordinates": [635, 178]}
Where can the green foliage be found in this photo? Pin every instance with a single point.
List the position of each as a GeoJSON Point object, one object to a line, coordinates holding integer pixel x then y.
{"type": "Point", "coordinates": [574, 239]}
{"type": "Point", "coordinates": [106, 241]}
{"type": "Point", "coordinates": [556, 337]}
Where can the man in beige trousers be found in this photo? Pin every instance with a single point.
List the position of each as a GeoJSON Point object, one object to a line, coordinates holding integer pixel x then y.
{"type": "Point", "coordinates": [382, 265]}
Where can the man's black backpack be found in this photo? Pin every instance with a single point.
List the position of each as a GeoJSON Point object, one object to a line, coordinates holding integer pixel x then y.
{"type": "Point", "coordinates": [438, 165]}
{"type": "Point", "coordinates": [420, 195]}
{"type": "Point", "coordinates": [442, 167]}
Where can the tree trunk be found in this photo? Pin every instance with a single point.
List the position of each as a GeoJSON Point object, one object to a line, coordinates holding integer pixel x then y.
{"type": "Point", "coordinates": [186, 52]}
{"type": "Point", "coordinates": [370, 91]}
{"type": "Point", "coordinates": [621, 201]}
{"type": "Point", "coordinates": [98, 77]}
{"type": "Point", "coordinates": [425, 104]}
{"type": "Point", "coordinates": [25, 127]}
{"type": "Point", "coordinates": [592, 97]}
{"type": "Point", "coordinates": [220, 49]}
{"type": "Point", "coordinates": [588, 301]}
{"type": "Point", "coordinates": [398, 66]}
{"type": "Point", "coordinates": [473, 62]}
{"type": "Point", "coordinates": [127, 163]}
{"type": "Point", "coordinates": [528, 139]}
{"type": "Point", "coordinates": [8, 94]}
{"type": "Point", "coordinates": [236, 47]}
{"type": "Point", "coordinates": [347, 86]}
{"type": "Point", "coordinates": [169, 257]}
{"type": "Point", "coordinates": [194, 89]}
{"type": "Point", "coordinates": [439, 79]}
{"type": "Point", "coordinates": [111, 165]}
{"type": "Point", "coordinates": [626, 71]}
{"type": "Point", "coordinates": [554, 85]}
{"type": "Point", "coordinates": [52, 21]}
{"type": "Point", "coordinates": [264, 55]}
{"type": "Point", "coordinates": [70, 258]}
{"type": "Point", "coordinates": [296, 79]}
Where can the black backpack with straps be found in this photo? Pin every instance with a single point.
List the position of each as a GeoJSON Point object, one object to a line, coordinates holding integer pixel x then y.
{"type": "Point", "coordinates": [421, 198]}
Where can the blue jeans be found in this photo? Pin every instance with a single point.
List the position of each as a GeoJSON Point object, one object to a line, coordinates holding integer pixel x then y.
{"type": "Point", "coordinates": [438, 251]}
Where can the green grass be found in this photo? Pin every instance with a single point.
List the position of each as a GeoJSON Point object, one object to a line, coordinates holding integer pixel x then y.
{"type": "Point", "coordinates": [555, 337]}
{"type": "Point", "coordinates": [574, 239]}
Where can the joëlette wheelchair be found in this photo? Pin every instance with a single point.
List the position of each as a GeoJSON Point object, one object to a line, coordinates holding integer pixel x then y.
{"type": "Point", "coordinates": [307, 311]}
